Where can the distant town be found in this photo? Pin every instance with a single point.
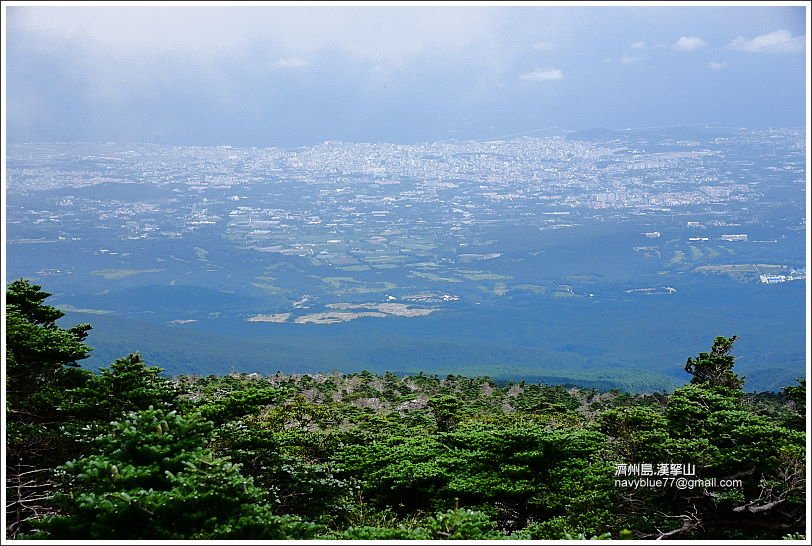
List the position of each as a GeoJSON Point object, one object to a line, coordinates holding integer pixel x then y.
{"type": "Point", "coordinates": [424, 208]}
{"type": "Point", "coordinates": [419, 240]}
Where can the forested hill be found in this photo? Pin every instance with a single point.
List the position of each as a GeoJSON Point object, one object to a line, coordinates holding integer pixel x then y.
{"type": "Point", "coordinates": [129, 453]}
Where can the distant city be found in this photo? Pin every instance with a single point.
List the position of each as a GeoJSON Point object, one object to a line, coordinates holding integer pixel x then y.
{"type": "Point", "coordinates": [343, 231]}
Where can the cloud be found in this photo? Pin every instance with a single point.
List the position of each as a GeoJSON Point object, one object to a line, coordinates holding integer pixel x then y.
{"type": "Point", "coordinates": [717, 65]}
{"type": "Point", "coordinates": [779, 41]}
{"type": "Point", "coordinates": [689, 43]}
{"type": "Point", "coordinates": [543, 75]}
{"type": "Point", "coordinates": [375, 32]}
{"type": "Point", "coordinates": [291, 62]}
{"type": "Point", "coordinates": [543, 46]}
{"type": "Point", "coordinates": [223, 75]}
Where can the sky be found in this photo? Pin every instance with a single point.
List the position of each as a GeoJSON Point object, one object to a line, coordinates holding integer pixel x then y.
{"type": "Point", "coordinates": [270, 75]}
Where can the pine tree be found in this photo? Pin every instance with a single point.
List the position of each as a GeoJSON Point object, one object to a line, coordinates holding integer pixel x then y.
{"type": "Point", "coordinates": [41, 366]}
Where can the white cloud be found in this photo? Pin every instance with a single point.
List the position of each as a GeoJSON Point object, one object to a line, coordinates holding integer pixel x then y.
{"type": "Point", "coordinates": [689, 43]}
{"type": "Point", "coordinates": [628, 59]}
{"type": "Point", "coordinates": [639, 45]}
{"type": "Point", "coordinates": [779, 41]}
{"type": "Point", "coordinates": [291, 62]}
{"type": "Point", "coordinates": [717, 65]}
{"type": "Point", "coordinates": [543, 75]}
{"type": "Point", "coordinates": [543, 46]}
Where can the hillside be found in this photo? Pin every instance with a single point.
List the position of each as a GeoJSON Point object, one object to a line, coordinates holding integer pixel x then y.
{"type": "Point", "coordinates": [130, 453]}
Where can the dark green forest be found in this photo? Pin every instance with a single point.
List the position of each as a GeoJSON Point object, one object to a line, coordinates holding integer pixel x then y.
{"type": "Point", "coordinates": [129, 453]}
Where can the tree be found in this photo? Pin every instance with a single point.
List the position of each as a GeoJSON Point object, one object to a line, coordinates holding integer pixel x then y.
{"type": "Point", "coordinates": [519, 472]}
{"type": "Point", "coordinates": [796, 396]}
{"type": "Point", "coordinates": [714, 368]}
{"type": "Point", "coordinates": [153, 478]}
{"type": "Point", "coordinates": [446, 409]}
{"type": "Point", "coordinates": [41, 366]}
{"type": "Point", "coordinates": [708, 424]}
{"type": "Point", "coordinates": [42, 358]}
{"type": "Point", "coordinates": [126, 385]}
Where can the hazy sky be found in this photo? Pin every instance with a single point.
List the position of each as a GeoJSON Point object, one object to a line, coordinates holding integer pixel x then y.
{"type": "Point", "coordinates": [290, 76]}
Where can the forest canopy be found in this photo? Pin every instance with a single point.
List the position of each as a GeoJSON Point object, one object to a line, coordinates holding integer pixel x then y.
{"type": "Point", "coordinates": [129, 453]}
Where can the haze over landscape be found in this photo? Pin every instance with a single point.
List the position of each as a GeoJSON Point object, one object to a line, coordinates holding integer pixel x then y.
{"type": "Point", "coordinates": [409, 272]}
{"type": "Point", "coordinates": [235, 195]}
{"type": "Point", "coordinates": [493, 190]}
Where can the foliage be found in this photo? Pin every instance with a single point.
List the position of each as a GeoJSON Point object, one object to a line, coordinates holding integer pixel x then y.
{"type": "Point", "coordinates": [42, 358]}
{"type": "Point", "coordinates": [446, 409]}
{"type": "Point", "coordinates": [127, 453]}
{"type": "Point", "coordinates": [41, 367]}
{"type": "Point", "coordinates": [153, 478]}
{"type": "Point", "coordinates": [125, 386]}
{"type": "Point", "coordinates": [715, 368]}
{"type": "Point", "coordinates": [710, 423]}
{"type": "Point", "coordinates": [796, 396]}
{"type": "Point", "coordinates": [455, 524]}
